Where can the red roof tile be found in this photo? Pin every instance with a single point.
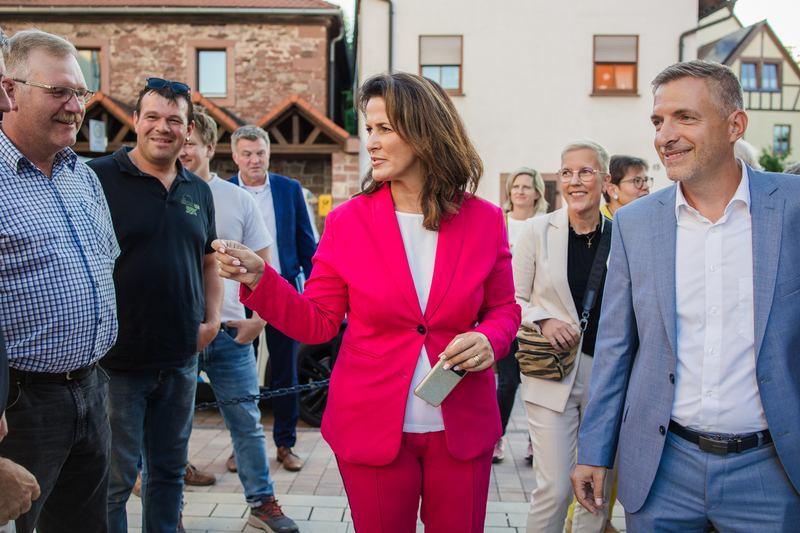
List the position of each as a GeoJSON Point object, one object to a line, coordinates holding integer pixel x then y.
{"type": "Point", "coordinates": [270, 4]}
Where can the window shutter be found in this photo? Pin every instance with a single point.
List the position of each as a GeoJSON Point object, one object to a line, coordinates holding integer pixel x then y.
{"type": "Point", "coordinates": [440, 50]}
{"type": "Point", "coordinates": [615, 49]}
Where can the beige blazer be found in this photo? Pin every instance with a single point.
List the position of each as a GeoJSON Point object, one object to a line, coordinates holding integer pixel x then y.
{"type": "Point", "coordinates": [542, 290]}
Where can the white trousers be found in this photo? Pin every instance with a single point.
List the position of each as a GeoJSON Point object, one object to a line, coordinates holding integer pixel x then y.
{"type": "Point", "coordinates": [554, 437]}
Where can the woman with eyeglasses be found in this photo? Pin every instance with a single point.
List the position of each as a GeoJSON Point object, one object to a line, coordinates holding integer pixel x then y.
{"type": "Point", "coordinates": [629, 181]}
{"type": "Point", "coordinates": [552, 264]}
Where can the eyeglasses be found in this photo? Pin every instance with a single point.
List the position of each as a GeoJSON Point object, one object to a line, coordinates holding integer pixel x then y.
{"type": "Point", "coordinates": [639, 182]}
{"type": "Point", "coordinates": [178, 87]}
{"type": "Point", "coordinates": [586, 174]}
{"type": "Point", "coordinates": [62, 94]}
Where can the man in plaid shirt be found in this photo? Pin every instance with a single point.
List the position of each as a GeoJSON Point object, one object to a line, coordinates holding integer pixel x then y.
{"type": "Point", "coordinates": [57, 254]}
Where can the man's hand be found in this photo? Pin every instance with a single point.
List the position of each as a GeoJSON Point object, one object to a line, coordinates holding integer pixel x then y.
{"type": "Point", "coordinates": [247, 330]}
{"type": "Point", "coordinates": [208, 332]}
{"type": "Point", "coordinates": [583, 477]}
{"type": "Point", "coordinates": [18, 488]}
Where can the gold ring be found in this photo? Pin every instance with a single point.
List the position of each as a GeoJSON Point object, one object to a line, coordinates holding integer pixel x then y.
{"type": "Point", "coordinates": [477, 360]}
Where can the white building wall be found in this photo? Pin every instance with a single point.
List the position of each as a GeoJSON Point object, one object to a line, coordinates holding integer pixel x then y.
{"type": "Point", "coordinates": [527, 72]}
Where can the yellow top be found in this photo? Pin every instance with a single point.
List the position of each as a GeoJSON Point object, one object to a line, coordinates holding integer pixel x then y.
{"type": "Point", "coordinates": [606, 212]}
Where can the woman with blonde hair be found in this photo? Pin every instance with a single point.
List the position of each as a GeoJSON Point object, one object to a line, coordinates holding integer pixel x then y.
{"type": "Point", "coordinates": [375, 262]}
{"type": "Point", "coordinates": [525, 192]}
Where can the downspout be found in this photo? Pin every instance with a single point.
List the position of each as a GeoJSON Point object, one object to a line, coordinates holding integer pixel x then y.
{"type": "Point", "coordinates": [332, 71]}
{"type": "Point", "coordinates": [704, 26]}
{"type": "Point", "coordinates": [391, 31]}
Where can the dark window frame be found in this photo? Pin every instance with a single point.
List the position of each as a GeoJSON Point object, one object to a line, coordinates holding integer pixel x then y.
{"type": "Point", "coordinates": [614, 92]}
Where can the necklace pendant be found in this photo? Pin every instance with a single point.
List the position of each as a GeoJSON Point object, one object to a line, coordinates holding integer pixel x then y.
{"type": "Point", "coordinates": [590, 244]}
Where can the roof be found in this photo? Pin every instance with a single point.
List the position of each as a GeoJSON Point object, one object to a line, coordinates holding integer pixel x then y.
{"type": "Point", "coordinates": [728, 49]}
{"type": "Point", "coordinates": [708, 7]}
{"type": "Point", "coordinates": [721, 50]}
{"type": "Point", "coordinates": [315, 116]}
{"type": "Point", "coordinates": [263, 4]}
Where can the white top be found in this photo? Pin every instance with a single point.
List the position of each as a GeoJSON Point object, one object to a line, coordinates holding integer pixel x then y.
{"type": "Point", "coordinates": [715, 385]}
{"type": "Point", "coordinates": [420, 245]}
{"type": "Point", "coordinates": [514, 231]}
{"type": "Point", "coordinates": [263, 196]}
{"type": "Point", "coordinates": [237, 218]}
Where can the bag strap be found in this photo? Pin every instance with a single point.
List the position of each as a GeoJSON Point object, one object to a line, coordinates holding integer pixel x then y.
{"type": "Point", "coordinates": [596, 275]}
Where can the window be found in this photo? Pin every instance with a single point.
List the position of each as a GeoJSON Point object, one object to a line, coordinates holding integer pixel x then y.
{"type": "Point", "coordinates": [749, 79]}
{"type": "Point", "coordinates": [440, 60]}
{"type": "Point", "coordinates": [211, 69]}
{"type": "Point", "coordinates": [615, 64]}
{"type": "Point", "coordinates": [760, 75]}
{"type": "Point", "coordinates": [211, 79]}
{"type": "Point", "coordinates": [89, 61]}
{"type": "Point", "coordinates": [780, 138]}
{"type": "Point", "coordinates": [93, 58]}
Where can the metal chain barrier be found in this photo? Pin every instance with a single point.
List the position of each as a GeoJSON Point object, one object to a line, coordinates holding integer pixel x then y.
{"type": "Point", "coordinates": [264, 395]}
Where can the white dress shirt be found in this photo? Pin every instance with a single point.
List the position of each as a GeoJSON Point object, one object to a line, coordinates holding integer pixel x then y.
{"type": "Point", "coordinates": [263, 196]}
{"type": "Point", "coordinates": [715, 385]}
{"type": "Point", "coordinates": [420, 245]}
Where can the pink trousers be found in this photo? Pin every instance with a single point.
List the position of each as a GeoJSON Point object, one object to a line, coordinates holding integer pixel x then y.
{"type": "Point", "coordinates": [385, 499]}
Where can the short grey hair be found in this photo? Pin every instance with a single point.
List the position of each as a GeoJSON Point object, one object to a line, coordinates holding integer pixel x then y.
{"type": "Point", "coordinates": [249, 133]}
{"type": "Point", "coordinates": [726, 91]}
{"type": "Point", "coordinates": [24, 42]}
{"type": "Point", "coordinates": [747, 153]}
{"type": "Point", "coordinates": [587, 144]}
{"type": "Point", "coordinates": [5, 46]}
{"type": "Point", "coordinates": [794, 169]}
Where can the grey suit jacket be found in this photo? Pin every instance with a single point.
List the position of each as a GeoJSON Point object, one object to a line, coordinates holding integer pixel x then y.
{"type": "Point", "coordinates": [631, 394]}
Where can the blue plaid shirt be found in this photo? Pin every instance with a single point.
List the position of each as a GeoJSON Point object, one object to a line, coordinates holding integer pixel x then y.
{"type": "Point", "coordinates": [57, 252]}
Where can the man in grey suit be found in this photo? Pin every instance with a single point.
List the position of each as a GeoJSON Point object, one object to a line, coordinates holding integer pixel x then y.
{"type": "Point", "coordinates": [696, 375]}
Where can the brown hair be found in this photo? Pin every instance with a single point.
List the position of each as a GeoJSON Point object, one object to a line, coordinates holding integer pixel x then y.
{"type": "Point", "coordinates": [205, 126]}
{"type": "Point", "coordinates": [423, 115]}
{"type": "Point", "coordinates": [619, 167]}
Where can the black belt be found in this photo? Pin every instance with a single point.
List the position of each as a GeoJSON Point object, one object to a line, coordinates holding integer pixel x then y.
{"type": "Point", "coordinates": [47, 377]}
{"type": "Point", "coordinates": [720, 445]}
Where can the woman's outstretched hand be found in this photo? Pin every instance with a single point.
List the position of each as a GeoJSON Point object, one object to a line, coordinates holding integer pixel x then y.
{"type": "Point", "coordinates": [238, 262]}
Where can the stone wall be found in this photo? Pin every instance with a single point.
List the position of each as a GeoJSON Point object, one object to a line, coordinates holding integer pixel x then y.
{"type": "Point", "coordinates": [271, 61]}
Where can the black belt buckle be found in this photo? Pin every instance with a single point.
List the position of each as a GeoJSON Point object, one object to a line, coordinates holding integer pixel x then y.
{"type": "Point", "coordinates": [718, 446]}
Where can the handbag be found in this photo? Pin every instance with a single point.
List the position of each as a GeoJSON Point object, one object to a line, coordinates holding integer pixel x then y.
{"type": "Point", "coordinates": [537, 357]}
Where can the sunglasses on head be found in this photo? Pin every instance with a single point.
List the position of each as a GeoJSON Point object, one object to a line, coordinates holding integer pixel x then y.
{"type": "Point", "coordinates": [178, 87]}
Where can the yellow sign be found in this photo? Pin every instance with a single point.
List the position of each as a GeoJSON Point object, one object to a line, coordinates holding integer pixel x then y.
{"type": "Point", "coordinates": [325, 204]}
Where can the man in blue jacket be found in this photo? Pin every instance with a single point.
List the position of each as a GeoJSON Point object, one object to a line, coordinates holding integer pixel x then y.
{"type": "Point", "coordinates": [284, 210]}
{"type": "Point", "coordinates": [696, 374]}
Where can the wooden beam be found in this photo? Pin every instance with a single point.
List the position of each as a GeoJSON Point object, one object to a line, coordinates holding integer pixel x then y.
{"type": "Point", "coordinates": [295, 129]}
{"type": "Point", "coordinates": [123, 131]}
{"type": "Point", "coordinates": [305, 148]}
{"type": "Point", "coordinates": [313, 136]}
{"type": "Point", "coordinates": [278, 135]}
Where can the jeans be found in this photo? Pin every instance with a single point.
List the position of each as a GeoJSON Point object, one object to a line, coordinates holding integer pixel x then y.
{"type": "Point", "coordinates": [231, 368]}
{"type": "Point", "coordinates": [286, 409]}
{"type": "Point", "coordinates": [59, 431]}
{"type": "Point", "coordinates": [151, 414]}
{"type": "Point", "coordinates": [507, 382]}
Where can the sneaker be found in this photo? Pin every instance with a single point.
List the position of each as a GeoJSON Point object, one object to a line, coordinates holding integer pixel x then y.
{"type": "Point", "coordinates": [269, 517]}
{"type": "Point", "coordinates": [529, 454]}
{"type": "Point", "coordinates": [197, 477]}
{"type": "Point", "coordinates": [497, 454]}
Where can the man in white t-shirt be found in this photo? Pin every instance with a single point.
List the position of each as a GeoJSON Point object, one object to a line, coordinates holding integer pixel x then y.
{"type": "Point", "coordinates": [229, 360]}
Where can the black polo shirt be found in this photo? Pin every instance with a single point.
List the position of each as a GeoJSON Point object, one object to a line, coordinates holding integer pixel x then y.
{"type": "Point", "coordinates": [163, 237]}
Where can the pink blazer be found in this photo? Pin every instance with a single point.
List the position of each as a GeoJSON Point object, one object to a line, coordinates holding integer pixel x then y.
{"type": "Point", "coordinates": [361, 269]}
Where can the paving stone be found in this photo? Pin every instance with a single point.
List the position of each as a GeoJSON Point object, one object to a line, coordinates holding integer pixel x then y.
{"type": "Point", "coordinates": [231, 510]}
{"type": "Point", "coordinates": [199, 509]}
{"type": "Point", "coordinates": [327, 514]}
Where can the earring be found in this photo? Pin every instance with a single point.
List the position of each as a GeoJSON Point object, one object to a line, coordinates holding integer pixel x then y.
{"type": "Point", "coordinates": [616, 197]}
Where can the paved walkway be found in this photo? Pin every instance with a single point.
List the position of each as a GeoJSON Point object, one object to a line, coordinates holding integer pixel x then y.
{"type": "Point", "coordinates": [314, 497]}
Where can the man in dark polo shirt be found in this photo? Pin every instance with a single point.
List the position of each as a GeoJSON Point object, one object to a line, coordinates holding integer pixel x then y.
{"type": "Point", "coordinates": [169, 300]}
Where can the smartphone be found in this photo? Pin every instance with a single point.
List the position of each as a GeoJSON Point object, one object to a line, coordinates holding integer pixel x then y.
{"type": "Point", "coordinates": [435, 387]}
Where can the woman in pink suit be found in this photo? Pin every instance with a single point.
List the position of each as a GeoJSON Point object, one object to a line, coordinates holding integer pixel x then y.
{"type": "Point", "coordinates": [422, 269]}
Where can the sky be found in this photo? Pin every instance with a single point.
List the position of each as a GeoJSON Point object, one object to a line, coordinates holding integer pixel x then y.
{"type": "Point", "coordinates": [783, 16]}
